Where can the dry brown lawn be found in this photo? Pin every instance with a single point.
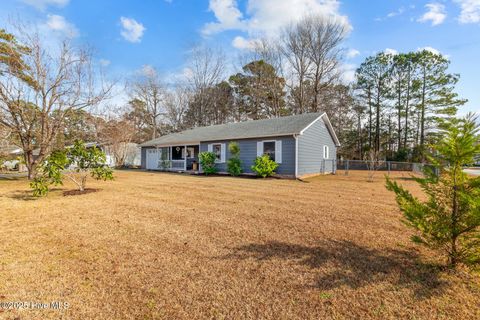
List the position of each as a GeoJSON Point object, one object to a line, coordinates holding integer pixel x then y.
{"type": "Point", "coordinates": [169, 246]}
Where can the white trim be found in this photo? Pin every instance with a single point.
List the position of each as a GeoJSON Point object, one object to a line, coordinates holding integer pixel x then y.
{"type": "Point", "coordinates": [259, 148]}
{"type": "Point", "coordinates": [221, 151]}
{"type": "Point", "coordinates": [278, 151]}
{"type": "Point", "coordinates": [332, 131]}
{"type": "Point", "coordinates": [296, 155]}
{"type": "Point", "coordinates": [329, 127]}
{"type": "Point", "coordinates": [263, 148]}
{"type": "Point", "coordinates": [185, 158]}
{"type": "Point", "coordinates": [326, 152]}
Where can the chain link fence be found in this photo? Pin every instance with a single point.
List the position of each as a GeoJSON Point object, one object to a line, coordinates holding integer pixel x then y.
{"type": "Point", "coordinates": [386, 166]}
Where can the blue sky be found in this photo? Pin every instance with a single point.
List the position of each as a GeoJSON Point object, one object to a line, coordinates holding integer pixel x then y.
{"type": "Point", "coordinates": [129, 35]}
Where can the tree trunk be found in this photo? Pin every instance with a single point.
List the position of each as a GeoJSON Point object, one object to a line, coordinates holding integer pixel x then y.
{"type": "Point", "coordinates": [370, 112]}
{"type": "Point", "coordinates": [422, 115]}
{"type": "Point", "coordinates": [407, 107]}
{"type": "Point", "coordinates": [377, 122]}
{"type": "Point", "coordinates": [30, 164]}
{"type": "Point", "coordinates": [399, 133]}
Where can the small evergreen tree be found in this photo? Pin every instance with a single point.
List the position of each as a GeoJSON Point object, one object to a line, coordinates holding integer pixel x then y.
{"type": "Point", "coordinates": [75, 163]}
{"type": "Point", "coordinates": [207, 161]}
{"type": "Point", "coordinates": [264, 166]}
{"type": "Point", "coordinates": [450, 219]}
{"type": "Point", "coordinates": [234, 164]}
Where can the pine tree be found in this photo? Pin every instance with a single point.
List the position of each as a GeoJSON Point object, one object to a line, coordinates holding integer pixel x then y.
{"type": "Point", "coordinates": [450, 219]}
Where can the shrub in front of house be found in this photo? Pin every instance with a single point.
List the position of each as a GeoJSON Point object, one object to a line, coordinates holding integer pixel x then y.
{"type": "Point", "coordinates": [264, 166]}
{"type": "Point", "coordinates": [207, 161]}
{"type": "Point", "coordinates": [234, 164]}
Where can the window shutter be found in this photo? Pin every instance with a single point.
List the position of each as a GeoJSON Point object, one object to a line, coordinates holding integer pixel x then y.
{"type": "Point", "coordinates": [278, 151]}
{"type": "Point", "coordinates": [222, 154]}
{"type": "Point", "coordinates": [210, 148]}
{"type": "Point", "coordinates": [259, 148]}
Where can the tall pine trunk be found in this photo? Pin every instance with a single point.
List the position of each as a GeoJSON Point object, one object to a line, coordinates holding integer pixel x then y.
{"type": "Point", "coordinates": [407, 107]}
{"type": "Point", "coordinates": [422, 113]}
{"type": "Point", "coordinates": [377, 120]}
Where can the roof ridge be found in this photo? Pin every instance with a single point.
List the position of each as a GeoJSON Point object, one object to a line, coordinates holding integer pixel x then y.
{"type": "Point", "coordinates": [286, 125]}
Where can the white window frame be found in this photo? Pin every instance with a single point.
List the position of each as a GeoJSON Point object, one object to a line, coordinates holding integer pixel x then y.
{"type": "Point", "coordinates": [274, 144]}
{"type": "Point", "coordinates": [278, 149]}
{"type": "Point", "coordinates": [217, 159]}
{"type": "Point", "coordinates": [211, 148]}
{"type": "Point", "coordinates": [326, 152]}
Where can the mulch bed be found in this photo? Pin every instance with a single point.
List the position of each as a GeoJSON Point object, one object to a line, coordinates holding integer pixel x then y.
{"type": "Point", "coordinates": [78, 192]}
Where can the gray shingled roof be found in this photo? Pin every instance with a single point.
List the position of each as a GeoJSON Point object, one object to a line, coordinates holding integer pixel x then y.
{"type": "Point", "coordinates": [241, 130]}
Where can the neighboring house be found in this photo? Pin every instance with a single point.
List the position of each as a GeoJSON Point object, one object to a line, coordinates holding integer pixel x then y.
{"type": "Point", "coordinates": [302, 145]}
{"type": "Point", "coordinates": [132, 150]}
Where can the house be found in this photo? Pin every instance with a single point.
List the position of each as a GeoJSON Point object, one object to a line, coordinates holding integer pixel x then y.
{"type": "Point", "coordinates": [302, 145]}
{"type": "Point", "coordinates": [130, 152]}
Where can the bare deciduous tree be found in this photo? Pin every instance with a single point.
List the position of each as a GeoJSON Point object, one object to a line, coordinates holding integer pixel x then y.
{"type": "Point", "coordinates": [206, 69]}
{"type": "Point", "coordinates": [326, 36]}
{"type": "Point", "coordinates": [150, 91]}
{"type": "Point", "coordinates": [295, 48]}
{"type": "Point", "coordinates": [116, 136]}
{"type": "Point", "coordinates": [51, 84]}
{"type": "Point", "coordinates": [176, 105]}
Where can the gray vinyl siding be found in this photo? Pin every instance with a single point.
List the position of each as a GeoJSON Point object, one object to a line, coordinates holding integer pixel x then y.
{"type": "Point", "coordinates": [248, 153]}
{"type": "Point", "coordinates": [310, 150]}
{"type": "Point", "coordinates": [143, 163]}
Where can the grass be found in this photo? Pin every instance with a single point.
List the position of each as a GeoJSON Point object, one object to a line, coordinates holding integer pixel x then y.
{"type": "Point", "coordinates": [163, 246]}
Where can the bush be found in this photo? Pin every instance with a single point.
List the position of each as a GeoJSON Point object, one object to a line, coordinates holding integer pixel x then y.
{"type": "Point", "coordinates": [234, 164]}
{"type": "Point", "coordinates": [76, 164]}
{"type": "Point", "coordinates": [207, 161]}
{"type": "Point", "coordinates": [264, 166]}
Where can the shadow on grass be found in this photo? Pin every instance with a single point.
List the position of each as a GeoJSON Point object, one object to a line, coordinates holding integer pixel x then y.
{"type": "Point", "coordinates": [22, 195]}
{"type": "Point", "coordinates": [344, 263]}
{"type": "Point", "coordinates": [12, 177]}
{"type": "Point", "coordinates": [27, 195]}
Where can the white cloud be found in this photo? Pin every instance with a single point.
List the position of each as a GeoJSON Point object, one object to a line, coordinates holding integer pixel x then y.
{"type": "Point", "coordinates": [43, 4]}
{"type": "Point", "coordinates": [432, 50]}
{"type": "Point", "coordinates": [132, 30]}
{"type": "Point", "coordinates": [268, 17]}
{"type": "Point", "coordinates": [245, 44]}
{"type": "Point", "coordinates": [348, 74]}
{"type": "Point", "coordinates": [470, 11]}
{"type": "Point", "coordinates": [352, 53]}
{"type": "Point", "coordinates": [148, 70]}
{"type": "Point", "coordinates": [391, 51]}
{"type": "Point", "coordinates": [104, 62]}
{"type": "Point", "coordinates": [228, 16]}
{"type": "Point", "coordinates": [59, 24]}
{"type": "Point", "coordinates": [435, 14]}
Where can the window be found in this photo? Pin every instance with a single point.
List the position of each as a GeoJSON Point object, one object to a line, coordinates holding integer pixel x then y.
{"type": "Point", "coordinates": [269, 149]}
{"type": "Point", "coordinates": [217, 149]}
{"type": "Point", "coordinates": [190, 152]}
{"type": "Point", "coordinates": [326, 152]}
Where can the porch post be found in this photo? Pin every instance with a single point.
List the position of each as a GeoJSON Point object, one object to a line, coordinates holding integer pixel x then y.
{"type": "Point", "coordinates": [185, 159]}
